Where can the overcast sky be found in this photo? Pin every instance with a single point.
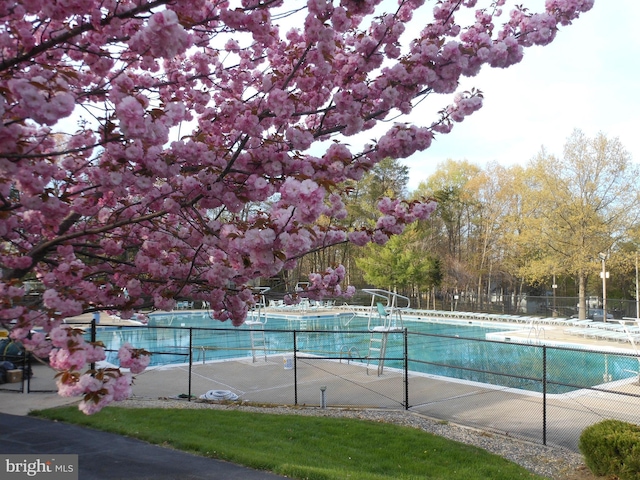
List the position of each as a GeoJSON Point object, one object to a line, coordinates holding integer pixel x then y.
{"type": "Point", "coordinates": [588, 78]}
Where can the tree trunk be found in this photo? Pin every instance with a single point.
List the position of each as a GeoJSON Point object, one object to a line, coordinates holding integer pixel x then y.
{"type": "Point", "coordinates": [582, 298]}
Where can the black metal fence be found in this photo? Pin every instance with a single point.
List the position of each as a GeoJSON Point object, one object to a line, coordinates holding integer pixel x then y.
{"type": "Point", "coordinates": [547, 305]}
{"type": "Point", "coordinates": [540, 393]}
{"type": "Point", "coordinates": [544, 394]}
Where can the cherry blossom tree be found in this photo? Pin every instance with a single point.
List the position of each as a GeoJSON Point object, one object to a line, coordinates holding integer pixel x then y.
{"type": "Point", "coordinates": [141, 141]}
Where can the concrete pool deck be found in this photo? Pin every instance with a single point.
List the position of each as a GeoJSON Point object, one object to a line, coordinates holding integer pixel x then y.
{"type": "Point", "coordinates": [501, 410]}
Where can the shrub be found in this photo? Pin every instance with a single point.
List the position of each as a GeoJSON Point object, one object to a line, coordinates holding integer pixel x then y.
{"type": "Point", "coordinates": [612, 447]}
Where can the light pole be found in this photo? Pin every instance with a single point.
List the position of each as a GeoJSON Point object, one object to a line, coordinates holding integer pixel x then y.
{"type": "Point", "coordinates": [637, 293]}
{"type": "Point", "coordinates": [604, 275]}
{"type": "Point", "coordinates": [554, 286]}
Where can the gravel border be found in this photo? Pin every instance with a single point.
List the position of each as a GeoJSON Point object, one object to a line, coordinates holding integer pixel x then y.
{"type": "Point", "coordinates": [550, 462]}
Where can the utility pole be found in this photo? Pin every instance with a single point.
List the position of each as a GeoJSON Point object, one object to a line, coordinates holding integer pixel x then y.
{"type": "Point", "coordinates": [637, 295]}
{"type": "Point", "coordinates": [604, 274]}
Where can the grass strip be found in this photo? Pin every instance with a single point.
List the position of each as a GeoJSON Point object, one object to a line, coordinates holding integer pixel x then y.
{"type": "Point", "coordinates": [303, 447]}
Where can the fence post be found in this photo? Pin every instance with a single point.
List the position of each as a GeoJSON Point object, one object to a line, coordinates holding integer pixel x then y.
{"type": "Point", "coordinates": [190, 358]}
{"type": "Point", "coordinates": [406, 369]}
{"type": "Point", "coordinates": [93, 339]}
{"type": "Point", "coordinates": [295, 369]}
{"type": "Point", "coordinates": [544, 394]}
{"type": "Point", "coordinates": [26, 372]}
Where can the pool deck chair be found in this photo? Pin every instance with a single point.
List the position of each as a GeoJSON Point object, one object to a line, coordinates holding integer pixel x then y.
{"type": "Point", "coordinates": [382, 312]}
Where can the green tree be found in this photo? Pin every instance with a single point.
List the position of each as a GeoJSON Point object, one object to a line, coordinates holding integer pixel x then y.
{"type": "Point", "coordinates": [389, 178]}
{"type": "Point", "coordinates": [425, 272]}
{"type": "Point", "coordinates": [577, 206]}
{"type": "Point", "coordinates": [385, 266]}
{"type": "Point", "coordinates": [448, 233]}
{"type": "Point", "coordinates": [401, 264]}
{"type": "Point", "coordinates": [488, 250]}
{"type": "Point", "coordinates": [449, 185]}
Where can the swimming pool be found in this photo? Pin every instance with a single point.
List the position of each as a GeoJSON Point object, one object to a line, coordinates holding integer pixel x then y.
{"type": "Point", "coordinates": [450, 349]}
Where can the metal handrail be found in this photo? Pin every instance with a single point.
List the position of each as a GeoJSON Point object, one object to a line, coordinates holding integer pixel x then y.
{"type": "Point", "coordinates": [390, 297]}
{"type": "Point", "coordinates": [260, 308]}
{"type": "Point", "coordinates": [349, 351]}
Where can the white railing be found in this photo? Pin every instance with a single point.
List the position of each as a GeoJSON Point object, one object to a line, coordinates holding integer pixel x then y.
{"type": "Point", "coordinates": [391, 298]}
{"type": "Point", "coordinates": [258, 314]}
{"type": "Point", "coordinates": [388, 313]}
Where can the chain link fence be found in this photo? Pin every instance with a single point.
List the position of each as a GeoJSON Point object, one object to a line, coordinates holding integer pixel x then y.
{"type": "Point", "coordinates": [546, 305]}
{"type": "Point", "coordinates": [539, 393]}
{"type": "Point", "coordinates": [543, 394]}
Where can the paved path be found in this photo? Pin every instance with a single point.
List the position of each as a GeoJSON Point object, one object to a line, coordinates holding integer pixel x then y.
{"type": "Point", "coordinates": [106, 456]}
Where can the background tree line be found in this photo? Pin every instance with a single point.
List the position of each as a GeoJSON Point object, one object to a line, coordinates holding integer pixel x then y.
{"type": "Point", "coordinates": [502, 232]}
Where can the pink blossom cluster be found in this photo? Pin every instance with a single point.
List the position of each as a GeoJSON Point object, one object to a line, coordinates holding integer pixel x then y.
{"type": "Point", "coordinates": [162, 37]}
{"type": "Point", "coordinates": [327, 284]}
{"type": "Point", "coordinates": [36, 100]}
{"type": "Point", "coordinates": [69, 350]}
{"type": "Point", "coordinates": [70, 354]}
{"type": "Point", "coordinates": [155, 150]}
{"type": "Point", "coordinates": [37, 343]}
{"type": "Point", "coordinates": [307, 193]}
{"type": "Point", "coordinates": [135, 359]}
{"type": "Point", "coordinates": [396, 215]}
{"type": "Point", "coordinates": [464, 105]}
{"type": "Point", "coordinates": [231, 305]}
{"type": "Point", "coordinates": [98, 389]}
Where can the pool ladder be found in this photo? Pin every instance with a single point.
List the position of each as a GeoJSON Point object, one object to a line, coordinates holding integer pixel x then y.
{"type": "Point", "coordinates": [258, 342]}
{"type": "Point", "coordinates": [377, 347]}
{"type": "Point", "coordinates": [537, 331]}
{"type": "Point", "coordinates": [257, 323]}
{"type": "Point", "coordinates": [350, 352]}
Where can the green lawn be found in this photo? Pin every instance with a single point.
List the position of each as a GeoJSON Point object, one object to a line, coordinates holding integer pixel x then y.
{"type": "Point", "coordinates": [304, 447]}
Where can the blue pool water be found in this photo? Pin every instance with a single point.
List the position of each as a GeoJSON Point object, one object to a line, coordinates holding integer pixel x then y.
{"type": "Point", "coordinates": [451, 350]}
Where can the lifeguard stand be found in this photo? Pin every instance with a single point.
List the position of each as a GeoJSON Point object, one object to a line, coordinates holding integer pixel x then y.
{"type": "Point", "coordinates": [256, 320]}
{"type": "Point", "coordinates": [384, 318]}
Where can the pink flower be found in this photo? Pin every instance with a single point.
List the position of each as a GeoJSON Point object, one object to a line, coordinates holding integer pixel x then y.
{"type": "Point", "coordinates": [163, 35]}
{"type": "Point", "coordinates": [359, 237]}
{"type": "Point", "coordinates": [380, 238]}
{"type": "Point", "coordinates": [136, 360]}
{"type": "Point", "coordinates": [121, 387]}
{"type": "Point", "coordinates": [131, 116]}
{"type": "Point", "coordinates": [37, 104]}
{"type": "Point", "coordinates": [59, 336]}
{"type": "Point", "coordinates": [63, 359]}
{"type": "Point", "coordinates": [89, 407]}
{"type": "Point", "coordinates": [37, 344]}
{"type": "Point", "coordinates": [94, 353]}
{"type": "Point", "coordinates": [69, 386]}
